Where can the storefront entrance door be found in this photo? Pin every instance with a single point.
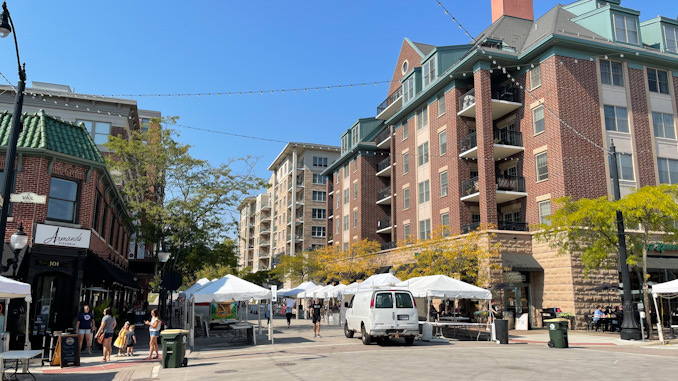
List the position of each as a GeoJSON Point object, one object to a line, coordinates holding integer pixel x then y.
{"type": "Point", "coordinates": [517, 299]}
{"type": "Point", "coordinates": [53, 304]}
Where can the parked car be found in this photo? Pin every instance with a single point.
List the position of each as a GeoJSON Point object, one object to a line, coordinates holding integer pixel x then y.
{"type": "Point", "coordinates": [382, 314]}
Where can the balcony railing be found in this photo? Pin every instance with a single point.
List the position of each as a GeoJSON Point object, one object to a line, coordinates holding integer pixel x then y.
{"type": "Point", "coordinates": [384, 164]}
{"type": "Point", "coordinates": [513, 226]}
{"type": "Point", "coordinates": [388, 245]}
{"type": "Point", "coordinates": [502, 93]}
{"type": "Point", "coordinates": [391, 98]}
{"type": "Point", "coordinates": [468, 142]}
{"type": "Point", "coordinates": [467, 100]}
{"type": "Point", "coordinates": [470, 187]}
{"type": "Point", "coordinates": [470, 227]}
{"type": "Point", "coordinates": [383, 135]}
{"type": "Point", "coordinates": [511, 183]}
{"type": "Point", "coordinates": [382, 194]}
{"type": "Point", "coordinates": [509, 138]}
{"type": "Point", "coordinates": [384, 223]}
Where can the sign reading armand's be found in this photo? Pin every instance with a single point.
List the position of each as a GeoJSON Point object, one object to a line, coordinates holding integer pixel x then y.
{"type": "Point", "coordinates": [61, 236]}
{"type": "Point", "coordinates": [661, 247]}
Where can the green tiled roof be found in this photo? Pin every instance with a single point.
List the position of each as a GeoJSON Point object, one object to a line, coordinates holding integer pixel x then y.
{"type": "Point", "coordinates": [42, 131]}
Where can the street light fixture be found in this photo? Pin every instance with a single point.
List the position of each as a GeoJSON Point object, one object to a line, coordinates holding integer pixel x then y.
{"type": "Point", "coordinates": [7, 27]}
{"type": "Point", "coordinates": [18, 242]}
{"type": "Point", "coordinates": [163, 257]}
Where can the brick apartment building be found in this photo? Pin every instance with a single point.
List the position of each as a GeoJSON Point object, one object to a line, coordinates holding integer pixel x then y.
{"type": "Point", "coordinates": [78, 242]}
{"type": "Point", "coordinates": [485, 134]}
{"type": "Point", "coordinates": [291, 216]}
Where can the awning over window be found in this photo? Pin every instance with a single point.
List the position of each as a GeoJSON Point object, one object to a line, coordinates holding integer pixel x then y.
{"type": "Point", "coordinates": [520, 262]}
{"type": "Point", "coordinates": [661, 263]}
{"type": "Point", "coordinates": [97, 268]}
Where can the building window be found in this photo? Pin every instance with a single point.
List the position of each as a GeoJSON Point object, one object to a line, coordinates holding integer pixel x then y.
{"type": "Point", "coordinates": [406, 163]}
{"type": "Point", "coordinates": [355, 191]}
{"type": "Point", "coordinates": [406, 198]}
{"type": "Point", "coordinates": [346, 173]}
{"type": "Point", "coordinates": [319, 161]}
{"type": "Point", "coordinates": [624, 166]}
{"type": "Point", "coordinates": [319, 196]}
{"type": "Point", "coordinates": [344, 143]}
{"type": "Point", "coordinates": [671, 35]}
{"type": "Point", "coordinates": [345, 223]}
{"type": "Point", "coordinates": [424, 191]}
{"type": "Point", "coordinates": [626, 29]}
{"type": "Point", "coordinates": [445, 224]}
{"type": "Point", "coordinates": [319, 179]}
{"type": "Point", "coordinates": [408, 89]}
{"type": "Point", "coordinates": [442, 143]}
{"type": "Point", "coordinates": [338, 199]}
{"type": "Point", "coordinates": [611, 73]}
{"type": "Point", "coordinates": [443, 183]}
{"type": "Point", "coordinates": [97, 210]}
{"type": "Point", "coordinates": [406, 231]}
{"type": "Point", "coordinates": [429, 70]}
{"type": "Point", "coordinates": [422, 154]}
{"type": "Point", "coordinates": [405, 132]}
{"type": "Point", "coordinates": [355, 135]}
{"type": "Point", "coordinates": [62, 204]}
{"type": "Point", "coordinates": [663, 125]}
{"type": "Point", "coordinates": [425, 229]}
{"type": "Point", "coordinates": [345, 247]}
{"type": "Point", "coordinates": [346, 196]}
{"type": "Point", "coordinates": [658, 81]}
{"type": "Point", "coordinates": [542, 167]}
{"type": "Point", "coordinates": [422, 117]}
{"type": "Point", "coordinates": [317, 231]}
{"type": "Point", "coordinates": [616, 119]}
{"type": "Point", "coordinates": [99, 130]}
{"type": "Point", "coordinates": [668, 171]}
{"type": "Point", "coordinates": [441, 104]}
{"type": "Point", "coordinates": [355, 165]}
{"type": "Point", "coordinates": [338, 225]}
{"type": "Point", "coordinates": [545, 212]}
{"type": "Point", "coordinates": [319, 214]}
{"type": "Point", "coordinates": [535, 77]}
{"type": "Point", "coordinates": [355, 218]}
{"type": "Point", "coordinates": [538, 119]}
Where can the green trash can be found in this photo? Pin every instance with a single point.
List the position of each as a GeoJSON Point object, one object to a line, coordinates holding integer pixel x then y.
{"type": "Point", "coordinates": [174, 348]}
{"type": "Point", "coordinates": [557, 332]}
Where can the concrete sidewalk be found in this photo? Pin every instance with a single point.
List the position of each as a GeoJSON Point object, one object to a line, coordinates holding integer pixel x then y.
{"type": "Point", "coordinates": [580, 338]}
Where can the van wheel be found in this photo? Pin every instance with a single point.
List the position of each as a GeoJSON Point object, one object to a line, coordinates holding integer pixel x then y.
{"type": "Point", "coordinates": [367, 339]}
{"type": "Point", "coordinates": [347, 332]}
{"type": "Point", "coordinates": [409, 340]}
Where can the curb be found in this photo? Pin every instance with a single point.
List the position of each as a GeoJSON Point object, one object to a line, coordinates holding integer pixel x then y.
{"type": "Point", "coordinates": [98, 368]}
{"type": "Point", "coordinates": [546, 342]}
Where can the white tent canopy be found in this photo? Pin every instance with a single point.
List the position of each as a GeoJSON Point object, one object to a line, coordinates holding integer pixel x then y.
{"type": "Point", "coordinates": [310, 293]}
{"type": "Point", "coordinates": [666, 288]}
{"type": "Point", "coordinates": [337, 291]}
{"type": "Point", "coordinates": [230, 288]}
{"type": "Point", "coordinates": [201, 282]}
{"type": "Point", "coordinates": [441, 286]}
{"type": "Point", "coordinates": [10, 289]}
{"type": "Point", "coordinates": [376, 280]}
{"type": "Point", "coordinates": [299, 289]}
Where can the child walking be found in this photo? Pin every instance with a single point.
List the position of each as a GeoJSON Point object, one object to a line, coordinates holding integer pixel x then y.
{"type": "Point", "coordinates": [122, 339]}
{"type": "Point", "coordinates": [131, 340]}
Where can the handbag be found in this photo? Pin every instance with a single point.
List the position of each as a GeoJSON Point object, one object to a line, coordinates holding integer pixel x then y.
{"type": "Point", "coordinates": [100, 338]}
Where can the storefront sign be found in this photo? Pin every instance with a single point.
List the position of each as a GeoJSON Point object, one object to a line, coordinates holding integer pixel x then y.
{"type": "Point", "coordinates": [61, 236]}
{"type": "Point", "coordinates": [28, 198]}
{"type": "Point", "coordinates": [661, 247]}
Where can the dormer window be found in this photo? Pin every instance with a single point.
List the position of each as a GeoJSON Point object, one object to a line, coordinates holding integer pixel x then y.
{"type": "Point", "coordinates": [430, 73]}
{"type": "Point", "coordinates": [408, 89]}
{"type": "Point", "coordinates": [671, 36]}
{"type": "Point", "coordinates": [355, 135]}
{"type": "Point", "coordinates": [626, 29]}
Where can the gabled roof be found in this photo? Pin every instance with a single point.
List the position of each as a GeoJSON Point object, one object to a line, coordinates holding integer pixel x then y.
{"type": "Point", "coordinates": [423, 49]}
{"type": "Point", "coordinates": [45, 132]}
{"type": "Point", "coordinates": [558, 21]}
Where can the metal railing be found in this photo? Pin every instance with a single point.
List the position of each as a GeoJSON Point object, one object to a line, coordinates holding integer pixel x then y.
{"type": "Point", "coordinates": [383, 135]}
{"type": "Point", "coordinates": [513, 226]}
{"type": "Point", "coordinates": [502, 93]}
{"type": "Point", "coordinates": [390, 99]}
{"type": "Point", "coordinates": [388, 245]}
{"type": "Point", "coordinates": [384, 223]}
{"type": "Point", "coordinates": [509, 138]}
{"type": "Point", "coordinates": [467, 100]}
{"type": "Point", "coordinates": [470, 187]}
{"type": "Point", "coordinates": [470, 227]}
{"type": "Point", "coordinates": [468, 142]}
{"type": "Point", "coordinates": [511, 183]}
{"type": "Point", "coordinates": [384, 164]}
{"type": "Point", "coordinates": [384, 193]}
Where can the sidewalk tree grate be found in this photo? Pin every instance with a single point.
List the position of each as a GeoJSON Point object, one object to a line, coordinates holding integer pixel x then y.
{"type": "Point", "coordinates": [285, 364]}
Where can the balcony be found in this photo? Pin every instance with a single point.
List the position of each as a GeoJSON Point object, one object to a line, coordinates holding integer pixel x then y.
{"type": "Point", "coordinates": [384, 196]}
{"type": "Point", "coordinates": [470, 227]}
{"type": "Point", "coordinates": [298, 221]}
{"type": "Point", "coordinates": [265, 219]}
{"type": "Point", "coordinates": [299, 203]}
{"type": "Point", "coordinates": [266, 206]}
{"type": "Point", "coordinates": [383, 139]}
{"type": "Point", "coordinates": [384, 167]}
{"type": "Point", "coordinates": [508, 188]}
{"type": "Point", "coordinates": [330, 239]}
{"type": "Point", "coordinates": [506, 143]}
{"type": "Point", "coordinates": [512, 226]}
{"type": "Point", "coordinates": [384, 226]}
{"type": "Point", "coordinates": [264, 242]}
{"type": "Point", "coordinates": [391, 105]}
{"type": "Point", "coordinates": [265, 232]}
{"type": "Point", "coordinates": [504, 101]}
{"type": "Point", "coordinates": [264, 256]}
{"type": "Point", "coordinates": [388, 245]}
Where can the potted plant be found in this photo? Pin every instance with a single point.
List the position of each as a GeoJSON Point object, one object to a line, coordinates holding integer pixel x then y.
{"type": "Point", "coordinates": [568, 316]}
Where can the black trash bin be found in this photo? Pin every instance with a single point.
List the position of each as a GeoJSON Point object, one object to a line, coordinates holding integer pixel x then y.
{"type": "Point", "coordinates": [501, 331]}
{"type": "Point", "coordinates": [557, 332]}
{"type": "Point", "coordinates": [174, 348]}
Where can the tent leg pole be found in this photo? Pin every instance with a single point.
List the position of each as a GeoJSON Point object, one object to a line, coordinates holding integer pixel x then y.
{"type": "Point", "coordinates": [27, 343]}
{"type": "Point", "coordinates": [659, 319]}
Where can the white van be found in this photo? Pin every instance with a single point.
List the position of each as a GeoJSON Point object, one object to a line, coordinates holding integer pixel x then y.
{"type": "Point", "coordinates": [382, 313]}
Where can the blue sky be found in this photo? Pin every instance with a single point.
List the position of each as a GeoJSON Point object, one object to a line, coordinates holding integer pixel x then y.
{"type": "Point", "coordinates": [142, 47]}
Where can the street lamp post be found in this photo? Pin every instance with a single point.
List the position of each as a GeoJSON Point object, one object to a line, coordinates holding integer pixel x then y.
{"type": "Point", "coordinates": [163, 257]}
{"type": "Point", "coordinates": [18, 242]}
{"type": "Point", "coordinates": [7, 27]}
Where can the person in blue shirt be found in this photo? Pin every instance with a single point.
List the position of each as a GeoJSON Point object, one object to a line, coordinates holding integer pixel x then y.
{"type": "Point", "coordinates": [85, 326]}
{"type": "Point", "coordinates": [597, 314]}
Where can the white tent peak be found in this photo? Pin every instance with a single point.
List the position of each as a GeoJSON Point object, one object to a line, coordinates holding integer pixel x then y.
{"type": "Point", "coordinates": [377, 280]}
{"type": "Point", "coordinates": [442, 286]}
{"type": "Point", "coordinates": [229, 288]}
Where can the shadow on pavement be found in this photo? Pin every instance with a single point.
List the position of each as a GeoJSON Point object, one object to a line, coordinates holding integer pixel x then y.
{"type": "Point", "coordinates": [76, 377]}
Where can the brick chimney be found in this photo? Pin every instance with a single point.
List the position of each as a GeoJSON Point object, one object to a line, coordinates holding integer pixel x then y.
{"type": "Point", "coordinates": [522, 9]}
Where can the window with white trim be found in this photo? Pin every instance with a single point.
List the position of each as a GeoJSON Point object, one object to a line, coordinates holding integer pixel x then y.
{"type": "Point", "coordinates": [535, 77]}
{"type": "Point", "coordinates": [346, 172]}
{"type": "Point", "coordinates": [658, 81]}
{"type": "Point", "coordinates": [405, 132]}
{"type": "Point", "coordinates": [355, 191]}
{"type": "Point", "coordinates": [317, 231]}
{"type": "Point", "coordinates": [319, 214]}
{"type": "Point", "coordinates": [443, 184]}
{"type": "Point", "coordinates": [422, 117]}
{"type": "Point", "coordinates": [542, 166]}
{"type": "Point", "coordinates": [406, 231]}
{"type": "Point", "coordinates": [424, 191]}
{"type": "Point", "coordinates": [663, 125]}
{"type": "Point", "coordinates": [624, 166]}
{"type": "Point", "coordinates": [538, 120]}
{"type": "Point", "coordinates": [406, 198]}
{"type": "Point", "coordinates": [442, 143]}
{"type": "Point", "coordinates": [99, 130]}
{"type": "Point", "coordinates": [345, 223]}
{"type": "Point", "coordinates": [319, 161]}
{"type": "Point", "coordinates": [337, 223]}
{"type": "Point", "coordinates": [425, 229]}
{"type": "Point", "coordinates": [671, 38]}
{"type": "Point", "coordinates": [319, 196]}
{"type": "Point", "coordinates": [319, 179]}
{"type": "Point", "coordinates": [355, 135]}
{"type": "Point", "coordinates": [346, 196]}
{"type": "Point", "coordinates": [429, 71]}
{"type": "Point", "coordinates": [441, 104]}
{"type": "Point", "coordinates": [355, 218]}
{"type": "Point", "coordinates": [445, 223]}
{"type": "Point", "coordinates": [408, 89]}
{"type": "Point", "coordinates": [626, 29]}
{"type": "Point", "coordinates": [668, 171]}
{"type": "Point", "coordinates": [422, 154]}
{"type": "Point", "coordinates": [544, 212]}
{"type": "Point", "coordinates": [616, 119]}
{"type": "Point", "coordinates": [611, 73]}
{"type": "Point", "coordinates": [406, 163]}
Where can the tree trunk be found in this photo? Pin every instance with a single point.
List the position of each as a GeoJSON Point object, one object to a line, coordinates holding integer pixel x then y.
{"type": "Point", "coordinates": [646, 299]}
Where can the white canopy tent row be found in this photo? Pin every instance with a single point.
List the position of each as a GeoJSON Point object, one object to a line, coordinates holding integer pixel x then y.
{"type": "Point", "coordinates": [295, 291]}
{"type": "Point", "coordinates": [377, 280]}
{"type": "Point", "coordinates": [667, 290]}
{"type": "Point", "coordinates": [12, 289]}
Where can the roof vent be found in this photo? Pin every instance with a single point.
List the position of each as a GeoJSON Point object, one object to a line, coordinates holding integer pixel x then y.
{"type": "Point", "coordinates": [522, 9]}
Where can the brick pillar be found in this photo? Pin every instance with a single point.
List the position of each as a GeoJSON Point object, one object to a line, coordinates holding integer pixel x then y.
{"type": "Point", "coordinates": [485, 138]}
{"type": "Point", "coordinates": [643, 157]}
{"type": "Point", "coordinates": [458, 170]}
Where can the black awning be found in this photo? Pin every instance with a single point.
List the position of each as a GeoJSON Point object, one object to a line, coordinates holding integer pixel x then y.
{"type": "Point", "coordinates": [97, 268]}
{"type": "Point", "coordinates": [661, 263]}
{"type": "Point", "coordinates": [520, 262]}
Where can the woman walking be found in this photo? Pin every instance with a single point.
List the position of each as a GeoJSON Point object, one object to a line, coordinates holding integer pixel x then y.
{"type": "Point", "coordinates": [106, 329]}
{"type": "Point", "coordinates": [154, 330]}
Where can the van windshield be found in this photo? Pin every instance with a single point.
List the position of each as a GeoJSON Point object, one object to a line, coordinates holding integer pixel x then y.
{"type": "Point", "coordinates": [384, 300]}
{"type": "Point", "coordinates": [403, 300]}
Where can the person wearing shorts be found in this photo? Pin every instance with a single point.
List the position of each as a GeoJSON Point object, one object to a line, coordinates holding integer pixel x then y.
{"type": "Point", "coordinates": [84, 328]}
{"type": "Point", "coordinates": [289, 305]}
{"type": "Point", "coordinates": [316, 307]}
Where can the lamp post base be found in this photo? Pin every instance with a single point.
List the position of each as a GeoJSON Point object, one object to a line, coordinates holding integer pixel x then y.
{"type": "Point", "coordinates": [631, 334]}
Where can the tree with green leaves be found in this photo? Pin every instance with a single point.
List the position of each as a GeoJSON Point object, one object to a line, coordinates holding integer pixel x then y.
{"type": "Point", "coordinates": [299, 268]}
{"type": "Point", "coordinates": [588, 227]}
{"type": "Point", "coordinates": [178, 200]}
{"type": "Point", "coordinates": [346, 266]}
